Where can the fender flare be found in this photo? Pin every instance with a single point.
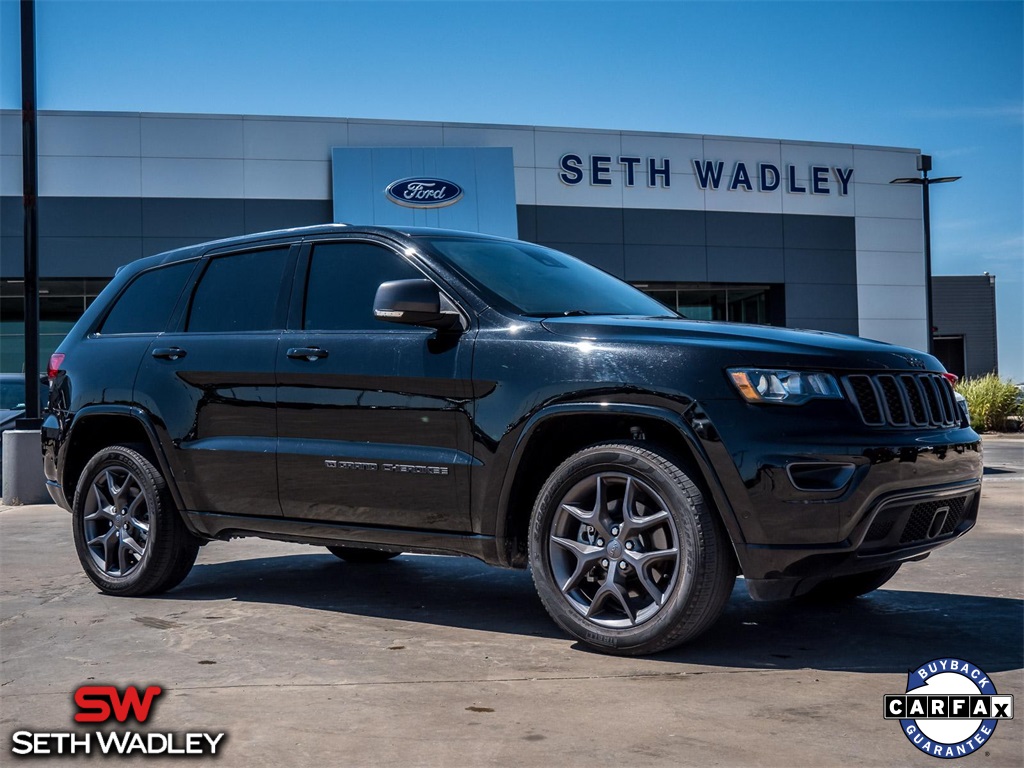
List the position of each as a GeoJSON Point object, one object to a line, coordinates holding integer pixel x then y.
{"type": "Point", "coordinates": [673, 418]}
{"type": "Point", "coordinates": [143, 419]}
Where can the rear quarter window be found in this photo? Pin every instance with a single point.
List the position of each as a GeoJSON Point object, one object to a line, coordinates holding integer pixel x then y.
{"type": "Point", "coordinates": [146, 304]}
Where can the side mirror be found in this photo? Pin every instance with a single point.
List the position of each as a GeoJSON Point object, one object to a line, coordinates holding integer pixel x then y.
{"type": "Point", "coordinates": [414, 302]}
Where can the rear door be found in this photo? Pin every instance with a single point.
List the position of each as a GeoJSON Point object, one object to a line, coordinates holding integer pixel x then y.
{"type": "Point", "coordinates": [372, 416]}
{"type": "Point", "coordinates": [210, 383]}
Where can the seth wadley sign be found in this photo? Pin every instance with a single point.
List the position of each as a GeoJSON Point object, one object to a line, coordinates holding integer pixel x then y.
{"type": "Point", "coordinates": [709, 174]}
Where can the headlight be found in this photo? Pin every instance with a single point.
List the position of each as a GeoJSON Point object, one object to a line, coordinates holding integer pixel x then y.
{"type": "Point", "coordinates": [790, 387]}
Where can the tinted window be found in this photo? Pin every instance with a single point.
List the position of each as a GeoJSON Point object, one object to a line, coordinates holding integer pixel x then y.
{"type": "Point", "coordinates": [146, 305]}
{"type": "Point", "coordinates": [343, 280]}
{"type": "Point", "coordinates": [542, 282]}
{"type": "Point", "coordinates": [12, 392]}
{"type": "Point", "coordinates": [239, 292]}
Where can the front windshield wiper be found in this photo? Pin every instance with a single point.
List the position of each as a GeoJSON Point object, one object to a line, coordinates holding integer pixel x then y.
{"type": "Point", "coordinates": [565, 313]}
{"type": "Point", "coordinates": [581, 312]}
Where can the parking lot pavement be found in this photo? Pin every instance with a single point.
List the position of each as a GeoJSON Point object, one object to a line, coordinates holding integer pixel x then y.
{"type": "Point", "coordinates": [300, 657]}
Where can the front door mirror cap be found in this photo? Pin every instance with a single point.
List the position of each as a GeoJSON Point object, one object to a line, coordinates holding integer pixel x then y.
{"type": "Point", "coordinates": [415, 302]}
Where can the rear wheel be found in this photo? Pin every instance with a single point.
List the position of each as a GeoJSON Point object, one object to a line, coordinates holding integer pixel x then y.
{"type": "Point", "coordinates": [129, 536]}
{"type": "Point", "coordinates": [626, 556]}
{"type": "Point", "coordinates": [855, 585]}
{"type": "Point", "coordinates": [357, 555]}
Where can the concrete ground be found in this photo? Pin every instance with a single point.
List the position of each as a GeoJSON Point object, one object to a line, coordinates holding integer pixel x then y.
{"type": "Point", "coordinates": [303, 659]}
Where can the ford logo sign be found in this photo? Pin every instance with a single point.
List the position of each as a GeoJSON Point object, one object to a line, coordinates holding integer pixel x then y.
{"type": "Point", "coordinates": [424, 193]}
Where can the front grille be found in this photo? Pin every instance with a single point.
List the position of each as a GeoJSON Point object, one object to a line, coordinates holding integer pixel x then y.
{"type": "Point", "coordinates": [882, 526]}
{"type": "Point", "coordinates": [926, 523]}
{"type": "Point", "coordinates": [905, 400]}
{"type": "Point", "coordinates": [899, 525]}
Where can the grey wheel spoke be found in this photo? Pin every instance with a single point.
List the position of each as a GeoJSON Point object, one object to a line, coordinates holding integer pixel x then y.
{"type": "Point", "coordinates": [109, 547]}
{"type": "Point", "coordinates": [127, 542]}
{"type": "Point", "coordinates": [587, 557]}
{"type": "Point", "coordinates": [133, 512]}
{"type": "Point", "coordinates": [652, 589]}
{"type": "Point", "coordinates": [633, 524]}
{"type": "Point", "coordinates": [112, 488]}
{"type": "Point", "coordinates": [101, 513]}
{"type": "Point", "coordinates": [640, 560]}
{"type": "Point", "coordinates": [628, 500]}
{"type": "Point", "coordinates": [104, 507]}
{"type": "Point", "coordinates": [103, 538]}
{"type": "Point", "coordinates": [610, 590]}
{"type": "Point", "coordinates": [600, 502]}
{"type": "Point", "coordinates": [585, 517]}
{"type": "Point", "coordinates": [596, 517]}
{"type": "Point", "coordinates": [122, 555]}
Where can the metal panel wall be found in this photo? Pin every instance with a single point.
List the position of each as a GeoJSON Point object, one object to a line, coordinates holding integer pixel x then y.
{"type": "Point", "coordinates": [965, 305]}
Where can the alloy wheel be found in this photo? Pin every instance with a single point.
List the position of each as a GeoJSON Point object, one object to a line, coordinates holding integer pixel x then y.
{"type": "Point", "coordinates": [614, 550]}
{"type": "Point", "coordinates": [117, 521]}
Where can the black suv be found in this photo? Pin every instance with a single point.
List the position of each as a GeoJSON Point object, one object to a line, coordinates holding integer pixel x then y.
{"type": "Point", "coordinates": [376, 391]}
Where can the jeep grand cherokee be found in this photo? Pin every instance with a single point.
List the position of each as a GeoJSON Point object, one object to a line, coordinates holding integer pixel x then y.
{"type": "Point", "coordinates": [378, 391]}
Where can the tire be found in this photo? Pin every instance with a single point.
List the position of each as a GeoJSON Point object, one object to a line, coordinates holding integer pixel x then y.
{"type": "Point", "coordinates": [855, 585]}
{"type": "Point", "coordinates": [676, 568]}
{"type": "Point", "coordinates": [363, 556]}
{"type": "Point", "coordinates": [143, 548]}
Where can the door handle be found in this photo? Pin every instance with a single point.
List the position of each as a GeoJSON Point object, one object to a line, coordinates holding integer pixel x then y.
{"type": "Point", "coordinates": [307, 353]}
{"type": "Point", "coordinates": [169, 353]}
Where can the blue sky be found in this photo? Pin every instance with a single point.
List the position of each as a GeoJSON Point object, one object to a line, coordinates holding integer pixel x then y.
{"type": "Point", "coordinates": [945, 77]}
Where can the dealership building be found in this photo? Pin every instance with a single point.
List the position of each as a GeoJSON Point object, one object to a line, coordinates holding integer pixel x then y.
{"type": "Point", "coordinates": [801, 234]}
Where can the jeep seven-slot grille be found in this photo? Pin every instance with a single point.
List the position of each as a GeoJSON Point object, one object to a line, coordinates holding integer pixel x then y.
{"type": "Point", "coordinates": [903, 400]}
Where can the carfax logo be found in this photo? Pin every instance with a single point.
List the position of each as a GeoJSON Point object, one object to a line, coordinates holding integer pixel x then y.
{"type": "Point", "coordinates": [950, 708]}
{"type": "Point", "coordinates": [102, 704]}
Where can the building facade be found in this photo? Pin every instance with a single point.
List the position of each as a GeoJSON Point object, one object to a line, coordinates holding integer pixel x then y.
{"type": "Point", "coordinates": [964, 317]}
{"type": "Point", "coordinates": [799, 234]}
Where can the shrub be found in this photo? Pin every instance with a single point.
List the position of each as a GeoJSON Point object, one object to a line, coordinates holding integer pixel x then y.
{"type": "Point", "coordinates": [991, 401]}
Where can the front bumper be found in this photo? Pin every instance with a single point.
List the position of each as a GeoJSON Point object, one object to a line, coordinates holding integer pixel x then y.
{"type": "Point", "coordinates": [898, 528]}
{"type": "Point", "coordinates": [814, 495]}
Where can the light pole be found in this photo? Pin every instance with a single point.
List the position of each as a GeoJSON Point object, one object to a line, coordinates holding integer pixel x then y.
{"type": "Point", "coordinates": [924, 164]}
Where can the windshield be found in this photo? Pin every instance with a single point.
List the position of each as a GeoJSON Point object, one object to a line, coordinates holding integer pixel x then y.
{"type": "Point", "coordinates": [539, 282]}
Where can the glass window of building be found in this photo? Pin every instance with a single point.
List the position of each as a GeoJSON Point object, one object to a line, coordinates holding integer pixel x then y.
{"type": "Point", "coordinates": [61, 303]}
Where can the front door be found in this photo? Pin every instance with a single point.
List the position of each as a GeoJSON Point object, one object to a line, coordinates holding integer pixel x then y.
{"type": "Point", "coordinates": [372, 419]}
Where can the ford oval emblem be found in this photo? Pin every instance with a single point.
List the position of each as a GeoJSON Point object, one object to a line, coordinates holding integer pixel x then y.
{"type": "Point", "coordinates": [424, 193]}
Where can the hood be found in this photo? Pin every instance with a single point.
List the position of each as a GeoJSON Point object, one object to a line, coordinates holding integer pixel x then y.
{"type": "Point", "coordinates": [759, 344]}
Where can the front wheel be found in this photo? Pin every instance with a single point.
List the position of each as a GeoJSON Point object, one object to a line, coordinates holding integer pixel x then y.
{"type": "Point", "coordinates": [626, 556]}
{"type": "Point", "coordinates": [129, 536]}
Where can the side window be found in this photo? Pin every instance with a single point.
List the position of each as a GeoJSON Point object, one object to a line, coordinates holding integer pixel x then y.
{"type": "Point", "coordinates": [342, 282]}
{"type": "Point", "coordinates": [239, 292]}
{"type": "Point", "coordinates": [146, 304]}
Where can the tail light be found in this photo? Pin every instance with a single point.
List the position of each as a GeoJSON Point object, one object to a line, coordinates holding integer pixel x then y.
{"type": "Point", "coordinates": [952, 378]}
{"type": "Point", "coordinates": [56, 360]}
